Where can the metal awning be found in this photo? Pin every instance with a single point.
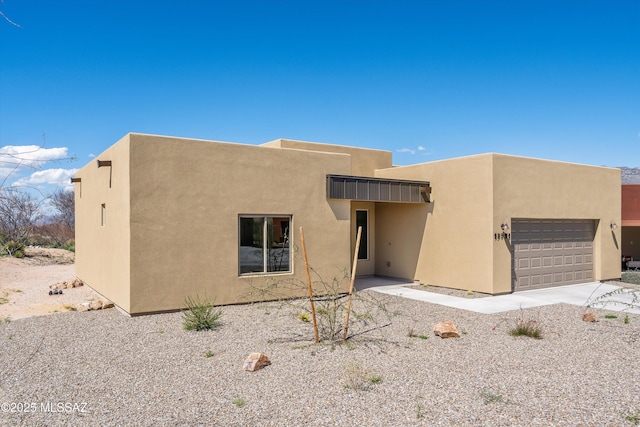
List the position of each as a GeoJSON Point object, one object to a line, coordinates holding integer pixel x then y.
{"type": "Point", "coordinates": [362, 188]}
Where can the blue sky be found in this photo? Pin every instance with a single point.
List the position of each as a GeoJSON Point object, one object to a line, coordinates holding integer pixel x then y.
{"type": "Point", "coordinates": [427, 80]}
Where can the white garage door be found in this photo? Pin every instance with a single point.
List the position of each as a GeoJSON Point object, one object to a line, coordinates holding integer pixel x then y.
{"type": "Point", "coordinates": [551, 252]}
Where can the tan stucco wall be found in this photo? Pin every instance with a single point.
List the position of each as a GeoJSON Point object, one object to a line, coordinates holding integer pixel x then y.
{"type": "Point", "coordinates": [364, 161]}
{"type": "Point", "coordinates": [103, 252]}
{"type": "Point", "coordinates": [400, 231]}
{"type": "Point", "coordinates": [533, 188]}
{"type": "Point", "coordinates": [472, 196]}
{"type": "Point", "coordinates": [186, 196]}
{"type": "Point", "coordinates": [173, 208]}
{"type": "Point", "coordinates": [455, 242]}
{"type": "Point", "coordinates": [365, 267]}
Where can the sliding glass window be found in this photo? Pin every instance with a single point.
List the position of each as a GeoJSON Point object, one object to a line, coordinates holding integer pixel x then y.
{"type": "Point", "coordinates": [264, 246]}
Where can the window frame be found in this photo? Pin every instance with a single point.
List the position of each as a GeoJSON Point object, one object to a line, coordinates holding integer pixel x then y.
{"type": "Point", "coordinates": [364, 236]}
{"type": "Point", "coordinates": [265, 244]}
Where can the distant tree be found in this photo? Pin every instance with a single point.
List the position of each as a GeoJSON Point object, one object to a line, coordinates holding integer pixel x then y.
{"type": "Point", "coordinates": [19, 215]}
{"type": "Point", "coordinates": [64, 202]}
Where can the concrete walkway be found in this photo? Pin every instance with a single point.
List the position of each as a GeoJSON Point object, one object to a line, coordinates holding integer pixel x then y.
{"type": "Point", "coordinates": [579, 295]}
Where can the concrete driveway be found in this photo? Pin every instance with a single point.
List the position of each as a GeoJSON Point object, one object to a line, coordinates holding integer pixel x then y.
{"type": "Point", "coordinates": [580, 295]}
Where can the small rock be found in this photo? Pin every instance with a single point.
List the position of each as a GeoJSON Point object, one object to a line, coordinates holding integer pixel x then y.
{"type": "Point", "coordinates": [70, 285]}
{"type": "Point", "coordinates": [107, 304]}
{"type": "Point", "coordinates": [589, 317]}
{"type": "Point", "coordinates": [77, 283]}
{"type": "Point", "coordinates": [82, 307]}
{"type": "Point", "coordinates": [95, 305]}
{"type": "Point", "coordinates": [446, 330]}
{"type": "Point", "coordinates": [256, 361]}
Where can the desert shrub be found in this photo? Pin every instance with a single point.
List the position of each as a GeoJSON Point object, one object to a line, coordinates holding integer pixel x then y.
{"type": "Point", "coordinates": [14, 249]}
{"type": "Point", "coordinates": [526, 327]}
{"type": "Point", "coordinates": [69, 245]}
{"type": "Point", "coordinates": [625, 297]}
{"type": "Point", "coordinates": [200, 315]}
{"type": "Point", "coordinates": [51, 234]}
{"type": "Point", "coordinates": [633, 417]}
{"type": "Point", "coordinates": [304, 317]}
{"type": "Point", "coordinates": [331, 303]}
{"type": "Point", "coordinates": [358, 378]}
{"type": "Point", "coordinates": [489, 397]}
{"type": "Point", "coordinates": [630, 277]}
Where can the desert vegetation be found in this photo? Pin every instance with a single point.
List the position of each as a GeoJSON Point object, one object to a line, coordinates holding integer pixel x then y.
{"type": "Point", "coordinates": [24, 221]}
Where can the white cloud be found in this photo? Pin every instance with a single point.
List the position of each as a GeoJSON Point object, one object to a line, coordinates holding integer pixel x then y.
{"type": "Point", "coordinates": [59, 177]}
{"type": "Point", "coordinates": [29, 156]}
{"type": "Point", "coordinates": [92, 155]}
{"type": "Point", "coordinates": [406, 150]}
{"type": "Point", "coordinates": [15, 158]}
{"type": "Point", "coordinates": [421, 148]}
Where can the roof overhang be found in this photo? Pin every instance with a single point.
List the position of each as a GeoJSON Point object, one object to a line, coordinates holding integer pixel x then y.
{"type": "Point", "coordinates": [347, 187]}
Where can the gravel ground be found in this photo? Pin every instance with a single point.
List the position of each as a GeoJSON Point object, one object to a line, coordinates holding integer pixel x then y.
{"type": "Point", "coordinates": [148, 371]}
{"type": "Point", "coordinates": [24, 284]}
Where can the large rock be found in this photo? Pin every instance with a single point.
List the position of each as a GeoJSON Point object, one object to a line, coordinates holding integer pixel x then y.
{"type": "Point", "coordinates": [96, 305]}
{"type": "Point", "coordinates": [77, 282]}
{"type": "Point", "coordinates": [107, 304]}
{"type": "Point", "coordinates": [256, 361]}
{"type": "Point", "coordinates": [446, 330]}
{"type": "Point", "coordinates": [83, 307]}
{"type": "Point", "coordinates": [589, 317]}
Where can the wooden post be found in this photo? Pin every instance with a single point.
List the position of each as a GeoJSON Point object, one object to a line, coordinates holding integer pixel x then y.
{"type": "Point", "coordinates": [306, 265]}
{"type": "Point", "coordinates": [353, 279]}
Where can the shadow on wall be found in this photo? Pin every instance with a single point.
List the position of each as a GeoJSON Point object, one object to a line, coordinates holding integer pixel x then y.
{"type": "Point", "coordinates": [341, 209]}
{"type": "Point", "coordinates": [399, 235]}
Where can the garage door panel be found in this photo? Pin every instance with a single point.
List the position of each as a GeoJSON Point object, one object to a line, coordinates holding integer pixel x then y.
{"type": "Point", "coordinates": [561, 254]}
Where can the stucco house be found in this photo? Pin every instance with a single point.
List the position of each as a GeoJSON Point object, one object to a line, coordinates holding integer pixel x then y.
{"type": "Point", "coordinates": [161, 218]}
{"type": "Point", "coordinates": [631, 221]}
